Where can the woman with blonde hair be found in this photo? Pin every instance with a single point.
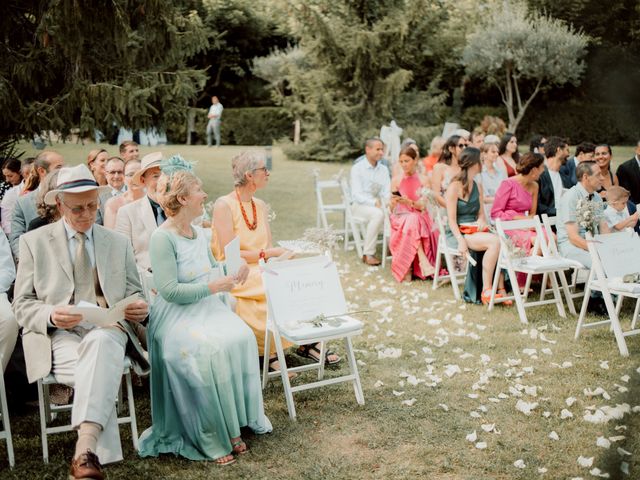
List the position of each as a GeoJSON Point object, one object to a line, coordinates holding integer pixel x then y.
{"type": "Point", "coordinates": [96, 160]}
{"type": "Point", "coordinates": [205, 377]}
{"type": "Point", "coordinates": [240, 214]}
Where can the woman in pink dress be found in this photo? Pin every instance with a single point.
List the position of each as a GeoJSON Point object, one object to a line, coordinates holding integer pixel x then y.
{"type": "Point", "coordinates": [517, 198]}
{"type": "Point", "coordinates": [414, 238]}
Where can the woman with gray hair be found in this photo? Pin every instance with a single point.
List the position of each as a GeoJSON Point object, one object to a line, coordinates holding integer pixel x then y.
{"type": "Point", "coordinates": [240, 214]}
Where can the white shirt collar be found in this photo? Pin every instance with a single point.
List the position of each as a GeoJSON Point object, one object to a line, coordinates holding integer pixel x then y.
{"type": "Point", "coordinates": [71, 232]}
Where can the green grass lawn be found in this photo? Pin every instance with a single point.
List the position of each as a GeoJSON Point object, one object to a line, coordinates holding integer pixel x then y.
{"type": "Point", "coordinates": [466, 368]}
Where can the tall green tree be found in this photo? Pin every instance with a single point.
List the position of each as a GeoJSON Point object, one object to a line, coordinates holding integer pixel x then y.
{"type": "Point", "coordinates": [523, 52]}
{"type": "Point", "coordinates": [71, 64]}
{"type": "Point", "coordinates": [357, 65]}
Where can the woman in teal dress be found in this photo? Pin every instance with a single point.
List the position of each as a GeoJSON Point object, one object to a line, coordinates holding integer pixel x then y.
{"type": "Point", "coordinates": [463, 199]}
{"type": "Point", "coordinates": [205, 377]}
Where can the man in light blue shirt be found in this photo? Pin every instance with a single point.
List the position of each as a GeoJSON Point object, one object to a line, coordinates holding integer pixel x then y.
{"type": "Point", "coordinates": [571, 236]}
{"type": "Point", "coordinates": [370, 187]}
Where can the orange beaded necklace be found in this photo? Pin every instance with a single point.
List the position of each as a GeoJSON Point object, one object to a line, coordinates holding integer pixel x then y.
{"type": "Point", "coordinates": [250, 226]}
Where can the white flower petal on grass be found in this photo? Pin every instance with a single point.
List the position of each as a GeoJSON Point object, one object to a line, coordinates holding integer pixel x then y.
{"type": "Point", "coordinates": [622, 452]}
{"type": "Point", "coordinates": [389, 352]}
{"type": "Point", "coordinates": [360, 363]}
{"type": "Point", "coordinates": [547, 351]}
{"type": "Point", "coordinates": [409, 403]}
{"type": "Point", "coordinates": [483, 409]}
{"type": "Point", "coordinates": [464, 356]}
{"type": "Point", "coordinates": [542, 470]}
{"type": "Point", "coordinates": [473, 395]}
{"type": "Point", "coordinates": [570, 401]}
{"type": "Point", "coordinates": [494, 399]}
{"type": "Point", "coordinates": [604, 364]}
{"type": "Point", "coordinates": [451, 370]}
{"type": "Point", "coordinates": [624, 468]}
{"type": "Point", "coordinates": [529, 351]}
{"type": "Point", "coordinates": [526, 407]}
{"type": "Point", "coordinates": [397, 394]}
{"type": "Point", "coordinates": [519, 464]}
{"type": "Point", "coordinates": [481, 445]}
{"type": "Point", "coordinates": [488, 427]}
{"type": "Point", "coordinates": [484, 358]}
{"type": "Point", "coordinates": [596, 472]}
{"type": "Point", "coordinates": [625, 378]}
{"type": "Point", "coordinates": [390, 333]}
{"type": "Point", "coordinates": [585, 462]}
{"type": "Point", "coordinates": [617, 438]}
{"type": "Point", "coordinates": [475, 414]}
{"type": "Point", "coordinates": [554, 436]}
{"type": "Point", "coordinates": [533, 391]}
{"type": "Point", "coordinates": [564, 414]}
{"type": "Point", "coordinates": [603, 442]}
{"type": "Point", "coordinates": [546, 414]}
{"type": "Point", "coordinates": [444, 407]}
{"type": "Point", "coordinates": [472, 437]}
{"type": "Point", "coordinates": [503, 395]}
{"type": "Point", "coordinates": [515, 392]}
{"type": "Point", "coordinates": [597, 392]}
{"type": "Point", "coordinates": [378, 384]}
{"type": "Point", "coordinates": [545, 339]}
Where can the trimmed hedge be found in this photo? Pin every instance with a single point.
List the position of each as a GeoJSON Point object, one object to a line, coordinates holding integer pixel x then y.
{"type": "Point", "coordinates": [240, 126]}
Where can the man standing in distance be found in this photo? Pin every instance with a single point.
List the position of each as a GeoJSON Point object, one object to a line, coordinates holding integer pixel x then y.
{"type": "Point", "coordinates": [215, 115]}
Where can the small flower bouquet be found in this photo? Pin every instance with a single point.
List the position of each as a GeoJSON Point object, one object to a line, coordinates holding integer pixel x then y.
{"type": "Point", "coordinates": [588, 215]}
{"type": "Point", "coordinates": [314, 240]}
{"type": "Point", "coordinates": [428, 197]}
{"type": "Point", "coordinates": [513, 251]}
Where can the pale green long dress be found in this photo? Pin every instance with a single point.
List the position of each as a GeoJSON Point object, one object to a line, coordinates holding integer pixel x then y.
{"type": "Point", "coordinates": [205, 376]}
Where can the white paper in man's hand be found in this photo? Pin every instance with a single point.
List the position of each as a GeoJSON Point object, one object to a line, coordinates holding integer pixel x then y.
{"type": "Point", "coordinates": [232, 257]}
{"type": "Point", "coordinates": [95, 316]}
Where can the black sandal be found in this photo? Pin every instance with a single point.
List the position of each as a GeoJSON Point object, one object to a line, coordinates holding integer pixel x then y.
{"type": "Point", "coordinates": [311, 351]}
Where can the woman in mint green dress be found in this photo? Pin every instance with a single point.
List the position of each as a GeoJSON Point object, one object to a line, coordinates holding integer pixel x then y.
{"type": "Point", "coordinates": [205, 377]}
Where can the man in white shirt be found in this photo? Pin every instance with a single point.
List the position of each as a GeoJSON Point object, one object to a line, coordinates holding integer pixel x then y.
{"type": "Point", "coordinates": [370, 186]}
{"type": "Point", "coordinates": [215, 116]}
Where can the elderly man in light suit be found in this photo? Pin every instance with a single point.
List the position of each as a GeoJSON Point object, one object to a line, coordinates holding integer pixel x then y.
{"type": "Point", "coordinates": [138, 220]}
{"type": "Point", "coordinates": [61, 264]}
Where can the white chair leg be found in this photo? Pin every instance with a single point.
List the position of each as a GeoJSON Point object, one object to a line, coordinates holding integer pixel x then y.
{"type": "Point", "coordinates": [453, 277]}
{"type": "Point", "coordinates": [583, 309]}
{"type": "Point", "coordinates": [6, 424]}
{"type": "Point", "coordinates": [615, 322]}
{"type": "Point", "coordinates": [265, 358]}
{"type": "Point", "coordinates": [557, 295]}
{"type": "Point", "coordinates": [436, 275]}
{"type": "Point", "coordinates": [323, 353]}
{"type": "Point", "coordinates": [517, 296]}
{"type": "Point", "coordinates": [543, 289]}
{"type": "Point", "coordinates": [494, 287]}
{"type": "Point", "coordinates": [132, 411]}
{"type": "Point", "coordinates": [567, 293]}
{"type": "Point", "coordinates": [284, 375]}
{"type": "Point", "coordinates": [353, 366]}
{"type": "Point", "coordinates": [43, 421]}
{"type": "Point", "coordinates": [635, 314]}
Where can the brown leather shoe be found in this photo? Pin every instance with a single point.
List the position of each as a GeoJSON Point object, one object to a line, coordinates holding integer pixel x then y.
{"type": "Point", "coordinates": [86, 466]}
{"type": "Point", "coordinates": [370, 260]}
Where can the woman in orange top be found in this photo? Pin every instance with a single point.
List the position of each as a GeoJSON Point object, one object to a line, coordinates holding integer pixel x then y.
{"type": "Point", "coordinates": [240, 214]}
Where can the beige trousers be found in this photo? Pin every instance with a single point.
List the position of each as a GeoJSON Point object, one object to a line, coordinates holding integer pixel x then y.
{"type": "Point", "coordinates": [375, 221]}
{"type": "Point", "coordinates": [8, 331]}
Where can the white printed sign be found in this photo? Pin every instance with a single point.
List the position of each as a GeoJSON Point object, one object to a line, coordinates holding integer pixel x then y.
{"type": "Point", "coordinates": [300, 290]}
{"type": "Point", "coordinates": [619, 252]}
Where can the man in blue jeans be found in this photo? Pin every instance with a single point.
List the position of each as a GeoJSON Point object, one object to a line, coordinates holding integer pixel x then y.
{"type": "Point", "coordinates": [215, 115]}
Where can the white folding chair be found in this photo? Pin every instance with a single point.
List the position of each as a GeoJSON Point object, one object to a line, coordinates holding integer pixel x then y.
{"type": "Point", "coordinates": [530, 265]}
{"type": "Point", "coordinates": [449, 253]}
{"type": "Point", "coordinates": [323, 209]}
{"type": "Point", "coordinates": [579, 271]}
{"type": "Point", "coordinates": [386, 235]}
{"type": "Point", "coordinates": [355, 226]}
{"type": "Point", "coordinates": [298, 291]}
{"type": "Point", "coordinates": [613, 256]}
{"type": "Point", "coordinates": [5, 433]}
{"type": "Point", "coordinates": [49, 411]}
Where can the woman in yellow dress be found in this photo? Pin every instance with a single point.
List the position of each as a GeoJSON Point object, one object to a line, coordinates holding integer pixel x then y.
{"type": "Point", "coordinates": [241, 214]}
